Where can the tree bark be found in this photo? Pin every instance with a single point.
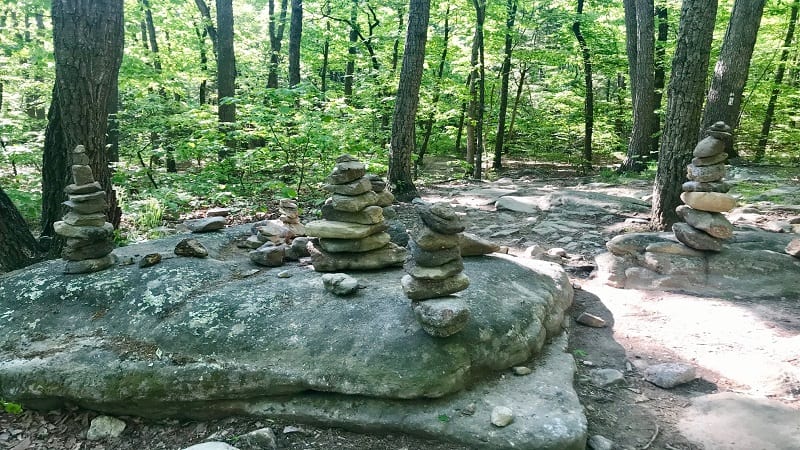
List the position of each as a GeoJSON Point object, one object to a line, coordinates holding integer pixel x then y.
{"type": "Point", "coordinates": [511, 11]}
{"type": "Point", "coordinates": [684, 106]}
{"type": "Point", "coordinates": [724, 99]}
{"type": "Point", "coordinates": [776, 83]}
{"type": "Point", "coordinates": [18, 247]}
{"type": "Point", "coordinates": [295, 36]}
{"type": "Point", "coordinates": [660, 72]}
{"type": "Point", "coordinates": [588, 104]}
{"type": "Point", "coordinates": [428, 124]}
{"type": "Point", "coordinates": [88, 42]}
{"type": "Point", "coordinates": [350, 67]}
{"type": "Point", "coordinates": [208, 24]}
{"type": "Point", "coordinates": [151, 34]}
{"type": "Point", "coordinates": [402, 142]}
{"type": "Point", "coordinates": [640, 27]}
{"type": "Point", "coordinates": [277, 24]}
{"type": "Point", "coordinates": [226, 62]}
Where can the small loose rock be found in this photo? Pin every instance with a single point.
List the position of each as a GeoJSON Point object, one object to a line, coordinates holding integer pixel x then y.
{"type": "Point", "coordinates": [191, 247]}
{"type": "Point", "coordinates": [521, 370]}
{"type": "Point", "coordinates": [669, 375]}
{"type": "Point", "coordinates": [607, 377]}
{"type": "Point", "coordinates": [105, 427]}
{"type": "Point", "coordinates": [590, 320]}
{"type": "Point", "coordinates": [263, 438]}
{"type": "Point", "coordinates": [339, 283]}
{"type": "Point", "coordinates": [598, 442]}
{"type": "Point", "coordinates": [502, 416]}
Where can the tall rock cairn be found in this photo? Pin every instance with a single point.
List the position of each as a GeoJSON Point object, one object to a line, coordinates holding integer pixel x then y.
{"type": "Point", "coordinates": [352, 232]}
{"type": "Point", "coordinates": [705, 194]}
{"type": "Point", "coordinates": [434, 271]}
{"type": "Point", "coordinates": [89, 237]}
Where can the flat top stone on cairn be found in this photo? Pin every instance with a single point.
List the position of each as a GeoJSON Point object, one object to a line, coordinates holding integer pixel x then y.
{"type": "Point", "coordinates": [79, 156]}
{"type": "Point", "coordinates": [347, 169]}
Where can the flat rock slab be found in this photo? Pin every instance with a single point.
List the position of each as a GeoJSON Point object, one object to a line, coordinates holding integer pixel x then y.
{"type": "Point", "coordinates": [547, 201]}
{"type": "Point", "coordinates": [482, 197]}
{"type": "Point", "coordinates": [729, 421]}
{"type": "Point", "coordinates": [752, 264]}
{"type": "Point", "coordinates": [181, 337]}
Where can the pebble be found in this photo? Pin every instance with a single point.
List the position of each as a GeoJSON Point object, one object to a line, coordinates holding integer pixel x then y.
{"type": "Point", "coordinates": [205, 225]}
{"type": "Point", "coordinates": [339, 283]}
{"type": "Point", "coordinates": [598, 442]}
{"type": "Point", "coordinates": [191, 247]}
{"type": "Point", "coordinates": [105, 427]}
{"type": "Point", "coordinates": [284, 274]}
{"type": "Point", "coordinates": [502, 416]}
{"type": "Point", "coordinates": [521, 370]}
{"type": "Point", "coordinates": [793, 248]}
{"type": "Point", "coordinates": [150, 260]}
{"type": "Point", "coordinates": [469, 409]}
{"type": "Point", "coordinates": [607, 377]}
{"type": "Point", "coordinates": [590, 320]}
{"type": "Point", "coordinates": [263, 438]}
{"type": "Point", "coordinates": [669, 375]}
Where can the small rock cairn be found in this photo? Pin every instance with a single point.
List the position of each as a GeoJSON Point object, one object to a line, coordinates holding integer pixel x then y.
{"type": "Point", "coordinates": [434, 269]}
{"type": "Point", "coordinates": [277, 240]}
{"type": "Point", "coordinates": [89, 237]}
{"type": "Point", "coordinates": [352, 232]}
{"type": "Point", "coordinates": [705, 194]}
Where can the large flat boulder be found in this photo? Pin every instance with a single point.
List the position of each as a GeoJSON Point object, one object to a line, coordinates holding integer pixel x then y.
{"type": "Point", "coordinates": [193, 331]}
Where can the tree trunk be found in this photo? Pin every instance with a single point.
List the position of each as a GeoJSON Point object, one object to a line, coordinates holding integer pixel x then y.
{"type": "Point", "coordinates": [88, 41]}
{"type": "Point", "coordinates": [326, 46]}
{"type": "Point", "coordinates": [588, 105]}
{"type": "Point", "coordinates": [511, 10]}
{"type": "Point", "coordinates": [208, 24]}
{"type": "Point", "coordinates": [277, 23]}
{"type": "Point", "coordinates": [151, 34]}
{"type": "Point", "coordinates": [514, 109]}
{"type": "Point", "coordinates": [640, 28]}
{"type": "Point", "coordinates": [396, 45]}
{"type": "Point", "coordinates": [724, 99]}
{"type": "Point", "coordinates": [480, 15]}
{"type": "Point", "coordinates": [405, 109]}
{"type": "Point", "coordinates": [684, 106]}
{"type": "Point", "coordinates": [660, 72]}
{"type": "Point", "coordinates": [350, 68]}
{"type": "Point", "coordinates": [428, 125]}
{"type": "Point", "coordinates": [776, 83]}
{"type": "Point", "coordinates": [18, 247]}
{"type": "Point", "coordinates": [295, 35]}
{"type": "Point", "coordinates": [226, 62]}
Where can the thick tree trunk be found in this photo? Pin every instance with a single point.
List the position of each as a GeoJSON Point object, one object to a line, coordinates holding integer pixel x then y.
{"type": "Point", "coordinates": [660, 72]}
{"type": "Point", "coordinates": [88, 41]}
{"type": "Point", "coordinates": [511, 9]}
{"type": "Point", "coordinates": [776, 83]}
{"type": "Point", "coordinates": [226, 62]}
{"type": "Point", "coordinates": [588, 104]}
{"type": "Point", "coordinates": [428, 124]}
{"type": "Point", "coordinates": [405, 109]}
{"type": "Point", "coordinates": [684, 106]}
{"type": "Point", "coordinates": [277, 23]}
{"type": "Point", "coordinates": [640, 27]}
{"type": "Point", "coordinates": [724, 99]}
{"type": "Point", "coordinates": [18, 247]}
{"type": "Point", "coordinates": [295, 35]}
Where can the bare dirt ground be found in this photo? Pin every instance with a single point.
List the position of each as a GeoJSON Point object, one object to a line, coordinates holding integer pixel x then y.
{"type": "Point", "coordinates": [738, 345]}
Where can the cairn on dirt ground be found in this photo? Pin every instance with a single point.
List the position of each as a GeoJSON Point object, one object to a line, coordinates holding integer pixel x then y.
{"type": "Point", "coordinates": [352, 233]}
{"type": "Point", "coordinates": [89, 237]}
{"type": "Point", "coordinates": [705, 194]}
{"type": "Point", "coordinates": [434, 271]}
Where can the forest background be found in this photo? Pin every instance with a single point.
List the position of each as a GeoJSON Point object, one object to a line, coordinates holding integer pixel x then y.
{"type": "Point", "coordinates": [546, 81]}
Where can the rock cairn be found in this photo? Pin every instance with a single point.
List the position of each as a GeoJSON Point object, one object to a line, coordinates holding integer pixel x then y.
{"type": "Point", "coordinates": [352, 232]}
{"type": "Point", "coordinates": [705, 194]}
{"type": "Point", "coordinates": [290, 217]}
{"type": "Point", "coordinates": [89, 237]}
{"type": "Point", "coordinates": [434, 271]}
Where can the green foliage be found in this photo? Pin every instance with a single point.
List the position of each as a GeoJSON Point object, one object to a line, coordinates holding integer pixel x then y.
{"type": "Point", "coordinates": [444, 418]}
{"type": "Point", "coordinates": [11, 407]}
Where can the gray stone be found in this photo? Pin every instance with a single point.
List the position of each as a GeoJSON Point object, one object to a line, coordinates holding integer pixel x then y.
{"type": "Point", "coordinates": [430, 240]}
{"type": "Point", "coordinates": [387, 256]}
{"type": "Point", "coordinates": [261, 439]}
{"type": "Point", "coordinates": [79, 156]}
{"type": "Point", "coordinates": [371, 242]}
{"type": "Point", "coordinates": [78, 189]}
{"type": "Point", "coordinates": [590, 320]}
{"type": "Point", "coordinates": [80, 249]}
{"type": "Point", "coordinates": [708, 147]}
{"type": "Point", "coordinates": [521, 371]}
{"type": "Point", "coordinates": [105, 427]}
{"type": "Point", "coordinates": [473, 245]}
{"type": "Point", "coordinates": [672, 248]}
{"type": "Point", "coordinates": [90, 207]}
{"type": "Point", "coordinates": [90, 265]}
{"type": "Point", "coordinates": [598, 442]}
{"type": "Point", "coordinates": [716, 159]}
{"type": "Point", "coordinates": [606, 377]}
{"type": "Point", "coordinates": [339, 283]}
{"type": "Point", "coordinates": [85, 220]}
{"type": "Point", "coordinates": [436, 258]}
{"type": "Point", "coordinates": [696, 239]}
{"type": "Point", "coordinates": [705, 174]}
{"type": "Point", "coordinates": [716, 186]}
{"type": "Point", "coordinates": [269, 255]}
{"type": "Point", "coordinates": [342, 230]}
{"type": "Point", "coordinates": [367, 216]}
{"type": "Point", "coordinates": [149, 260]}
{"type": "Point", "coordinates": [218, 212]}
{"type": "Point", "coordinates": [298, 248]}
{"type": "Point", "coordinates": [389, 212]}
{"type": "Point", "coordinates": [713, 223]}
{"type": "Point", "coordinates": [86, 198]}
{"type": "Point", "coordinates": [669, 375]}
{"type": "Point", "coordinates": [632, 244]}
{"type": "Point", "coordinates": [346, 172]}
{"type": "Point", "coordinates": [355, 187]}
{"type": "Point", "coordinates": [440, 218]}
{"type": "Point", "coordinates": [191, 247]}
{"type": "Point", "coordinates": [353, 203]}
{"type": "Point", "coordinates": [502, 416]}
{"type": "Point", "coordinates": [442, 272]}
{"type": "Point", "coordinates": [253, 242]}
{"type": "Point", "coordinates": [378, 183]}
{"type": "Point", "coordinates": [214, 445]}
{"type": "Point", "coordinates": [82, 174]}
{"type": "Point", "coordinates": [793, 248]}
{"type": "Point", "coordinates": [674, 264]}
{"type": "Point", "coordinates": [384, 198]}
{"type": "Point", "coordinates": [417, 289]}
{"type": "Point", "coordinates": [275, 231]}
{"type": "Point", "coordinates": [205, 225]}
{"type": "Point", "coordinates": [91, 233]}
{"type": "Point", "coordinates": [442, 317]}
{"type": "Point", "coordinates": [709, 201]}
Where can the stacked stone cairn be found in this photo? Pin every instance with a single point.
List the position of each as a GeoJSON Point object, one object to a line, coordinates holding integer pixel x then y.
{"type": "Point", "coordinates": [352, 233]}
{"type": "Point", "coordinates": [705, 194]}
{"type": "Point", "coordinates": [89, 237]}
{"type": "Point", "coordinates": [434, 271]}
{"type": "Point", "coordinates": [276, 240]}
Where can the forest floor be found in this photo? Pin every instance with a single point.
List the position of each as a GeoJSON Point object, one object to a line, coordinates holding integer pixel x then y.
{"type": "Point", "coordinates": [738, 345]}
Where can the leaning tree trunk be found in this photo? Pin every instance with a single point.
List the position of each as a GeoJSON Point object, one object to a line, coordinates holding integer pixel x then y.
{"type": "Point", "coordinates": [684, 106]}
{"type": "Point", "coordinates": [18, 247]}
{"type": "Point", "coordinates": [724, 99]}
{"type": "Point", "coordinates": [88, 41]}
{"type": "Point", "coordinates": [588, 104]}
{"type": "Point", "coordinates": [405, 109]}
{"type": "Point", "coordinates": [776, 83]}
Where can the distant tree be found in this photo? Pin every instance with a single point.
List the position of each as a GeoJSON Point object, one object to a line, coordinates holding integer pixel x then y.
{"type": "Point", "coordinates": [724, 99]}
{"type": "Point", "coordinates": [277, 23]}
{"type": "Point", "coordinates": [405, 109]}
{"type": "Point", "coordinates": [226, 62]}
{"type": "Point", "coordinates": [295, 36]}
{"type": "Point", "coordinates": [477, 93]}
{"type": "Point", "coordinates": [684, 106]}
{"type": "Point", "coordinates": [588, 103]}
{"type": "Point", "coordinates": [505, 70]}
{"type": "Point", "coordinates": [18, 247]}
